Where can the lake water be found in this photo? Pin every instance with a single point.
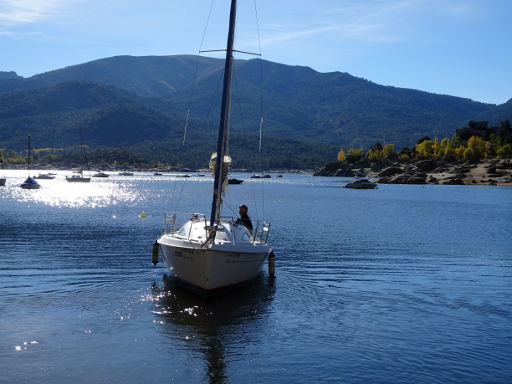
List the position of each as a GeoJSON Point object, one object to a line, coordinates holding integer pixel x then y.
{"type": "Point", "coordinates": [402, 284]}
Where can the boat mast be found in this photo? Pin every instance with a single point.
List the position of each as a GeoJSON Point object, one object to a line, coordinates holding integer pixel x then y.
{"type": "Point", "coordinates": [28, 155]}
{"type": "Point", "coordinates": [224, 120]}
{"type": "Point", "coordinates": [82, 150]}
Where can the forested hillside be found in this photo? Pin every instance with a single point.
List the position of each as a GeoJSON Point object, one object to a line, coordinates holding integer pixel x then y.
{"type": "Point", "coordinates": [142, 102]}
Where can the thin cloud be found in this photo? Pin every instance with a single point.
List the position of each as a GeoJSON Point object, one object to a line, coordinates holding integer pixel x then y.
{"type": "Point", "coordinates": [359, 21]}
{"type": "Point", "coordinates": [15, 12]}
{"type": "Point", "coordinates": [376, 21]}
{"type": "Point", "coordinates": [349, 30]}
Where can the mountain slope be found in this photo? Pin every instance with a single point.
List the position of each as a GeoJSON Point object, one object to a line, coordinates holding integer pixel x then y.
{"type": "Point", "coordinates": [333, 108]}
{"type": "Point", "coordinates": [146, 75]}
{"type": "Point", "coordinates": [108, 116]}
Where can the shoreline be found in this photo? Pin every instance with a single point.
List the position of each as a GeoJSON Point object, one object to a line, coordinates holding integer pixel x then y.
{"type": "Point", "coordinates": [485, 172]}
{"type": "Point", "coordinates": [112, 168]}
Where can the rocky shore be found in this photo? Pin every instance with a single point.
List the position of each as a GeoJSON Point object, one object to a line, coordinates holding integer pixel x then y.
{"type": "Point", "coordinates": [430, 171]}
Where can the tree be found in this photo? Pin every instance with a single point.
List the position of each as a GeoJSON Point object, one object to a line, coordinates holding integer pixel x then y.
{"type": "Point", "coordinates": [504, 151]}
{"type": "Point", "coordinates": [459, 152]}
{"type": "Point", "coordinates": [388, 151]}
{"type": "Point", "coordinates": [422, 139]}
{"type": "Point", "coordinates": [425, 149]}
{"type": "Point", "coordinates": [436, 149]}
{"type": "Point", "coordinates": [354, 154]}
{"type": "Point", "coordinates": [341, 155]}
{"type": "Point", "coordinates": [375, 155]}
{"type": "Point", "coordinates": [404, 154]}
{"type": "Point", "coordinates": [447, 149]}
{"type": "Point", "coordinates": [477, 148]}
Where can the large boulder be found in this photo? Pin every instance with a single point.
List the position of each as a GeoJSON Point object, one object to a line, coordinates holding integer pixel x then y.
{"type": "Point", "coordinates": [337, 168]}
{"type": "Point", "coordinates": [453, 180]}
{"type": "Point", "coordinates": [344, 172]}
{"type": "Point", "coordinates": [405, 178]}
{"type": "Point", "coordinates": [426, 165]}
{"type": "Point", "coordinates": [390, 171]}
{"type": "Point", "coordinates": [504, 164]}
{"type": "Point", "coordinates": [329, 169]}
{"type": "Point", "coordinates": [417, 179]}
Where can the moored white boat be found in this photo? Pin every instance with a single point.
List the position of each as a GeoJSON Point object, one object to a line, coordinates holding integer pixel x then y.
{"type": "Point", "coordinates": [215, 253]}
{"type": "Point", "coordinates": [78, 176]}
{"type": "Point", "coordinates": [232, 257]}
{"type": "Point", "coordinates": [45, 176]}
{"type": "Point", "coordinates": [30, 182]}
{"type": "Point", "coordinates": [78, 179]}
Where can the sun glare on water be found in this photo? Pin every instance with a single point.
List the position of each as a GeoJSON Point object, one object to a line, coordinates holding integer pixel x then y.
{"type": "Point", "coordinates": [60, 193]}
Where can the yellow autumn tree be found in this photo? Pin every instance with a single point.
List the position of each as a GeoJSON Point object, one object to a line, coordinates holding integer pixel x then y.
{"type": "Point", "coordinates": [375, 154]}
{"type": "Point", "coordinates": [341, 155]}
{"type": "Point", "coordinates": [425, 148]}
{"type": "Point", "coordinates": [504, 151]}
{"type": "Point", "coordinates": [355, 153]}
{"type": "Point", "coordinates": [436, 149]}
{"type": "Point", "coordinates": [388, 151]}
{"type": "Point", "coordinates": [447, 150]}
{"type": "Point", "coordinates": [476, 149]}
{"type": "Point", "coordinates": [459, 152]}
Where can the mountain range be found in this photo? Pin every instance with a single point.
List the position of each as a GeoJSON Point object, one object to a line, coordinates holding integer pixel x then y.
{"type": "Point", "coordinates": [141, 104]}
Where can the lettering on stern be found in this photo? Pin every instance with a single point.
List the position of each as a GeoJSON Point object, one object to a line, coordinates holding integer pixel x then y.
{"type": "Point", "coordinates": [237, 258]}
{"type": "Point", "coordinates": [186, 255]}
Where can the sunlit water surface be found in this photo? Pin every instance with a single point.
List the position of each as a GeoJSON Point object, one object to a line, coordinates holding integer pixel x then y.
{"type": "Point", "coordinates": [396, 285]}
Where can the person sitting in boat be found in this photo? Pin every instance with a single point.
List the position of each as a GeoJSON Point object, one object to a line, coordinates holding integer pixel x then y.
{"type": "Point", "coordinates": [244, 218]}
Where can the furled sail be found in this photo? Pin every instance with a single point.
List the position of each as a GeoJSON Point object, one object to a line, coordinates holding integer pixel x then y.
{"type": "Point", "coordinates": [225, 168]}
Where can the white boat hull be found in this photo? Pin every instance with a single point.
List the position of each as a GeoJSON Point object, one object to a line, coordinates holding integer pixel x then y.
{"type": "Point", "coordinates": [211, 269]}
{"type": "Point", "coordinates": [226, 262]}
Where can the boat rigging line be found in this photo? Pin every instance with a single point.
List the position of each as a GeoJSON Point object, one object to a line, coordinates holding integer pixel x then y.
{"type": "Point", "coordinates": [195, 72]}
{"type": "Point", "coordinates": [261, 71]}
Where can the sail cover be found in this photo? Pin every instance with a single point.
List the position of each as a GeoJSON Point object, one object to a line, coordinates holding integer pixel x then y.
{"type": "Point", "coordinates": [213, 165]}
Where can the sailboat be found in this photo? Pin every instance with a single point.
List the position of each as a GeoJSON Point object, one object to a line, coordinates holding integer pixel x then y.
{"type": "Point", "coordinates": [78, 177]}
{"type": "Point", "coordinates": [30, 182]}
{"type": "Point", "coordinates": [2, 178]}
{"type": "Point", "coordinates": [216, 253]}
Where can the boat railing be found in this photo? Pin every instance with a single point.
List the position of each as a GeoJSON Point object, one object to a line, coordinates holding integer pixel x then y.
{"type": "Point", "coordinates": [172, 225]}
{"type": "Point", "coordinates": [264, 232]}
{"type": "Point", "coordinates": [259, 233]}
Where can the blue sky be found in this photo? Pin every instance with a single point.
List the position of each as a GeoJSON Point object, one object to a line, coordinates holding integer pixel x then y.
{"type": "Point", "coordinates": [455, 47]}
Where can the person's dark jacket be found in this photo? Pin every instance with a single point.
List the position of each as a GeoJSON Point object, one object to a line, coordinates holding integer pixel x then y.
{"type": "Point", "coordinates": [245, 220]}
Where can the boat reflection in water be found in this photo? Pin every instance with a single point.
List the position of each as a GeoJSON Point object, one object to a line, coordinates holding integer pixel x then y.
{"type": "Point", "coordinates": [216, 326]}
